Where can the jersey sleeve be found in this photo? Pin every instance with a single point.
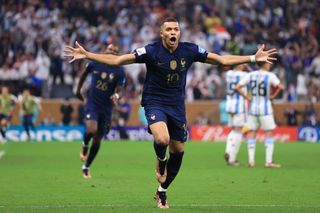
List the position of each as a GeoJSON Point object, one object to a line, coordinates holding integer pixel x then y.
{"type": "Point", "coordinates": [199, 54]}
{"type": "Point", "coordinates": [141, 54]}
{"type": "Point", "coordinates": [89, 67]}
{"type": "Point", "coordinates": [274, 80]}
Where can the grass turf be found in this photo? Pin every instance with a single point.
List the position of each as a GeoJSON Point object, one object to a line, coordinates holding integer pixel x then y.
{"type": "Point", "coordinates": [46, 177]}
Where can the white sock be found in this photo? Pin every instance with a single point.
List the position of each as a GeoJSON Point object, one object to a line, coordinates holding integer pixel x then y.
{"type": "Point", "coordinates": [160, 189]}
{"type": "Point", "coordinates": [229, 142]}
{"type": "Point", "coordinates": [269, 143]}
{"type": "Point", "coordinates": [237, 138]}
{"type": "Point", "coordinates": [84, 167]}
{"type": "Point", "coordinates": [251, 149]}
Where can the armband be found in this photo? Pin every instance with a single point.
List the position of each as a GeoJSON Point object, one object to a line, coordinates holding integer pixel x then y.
{"type": "Point", "coordinates": [252, 58]}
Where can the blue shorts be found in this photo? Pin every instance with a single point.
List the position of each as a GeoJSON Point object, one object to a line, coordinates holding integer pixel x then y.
{"type": "Point", "coordinates": [27, 119]}
{"type": "Point", "coordinates": [103, 120]}
{"type": "Point", "coordinates": [174, 117]}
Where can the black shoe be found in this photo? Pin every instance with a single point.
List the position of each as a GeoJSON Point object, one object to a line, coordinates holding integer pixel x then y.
{"type": "Point", "coordinates": [226, 157]}
{"type": "Point", "coordinates": [161, 199]}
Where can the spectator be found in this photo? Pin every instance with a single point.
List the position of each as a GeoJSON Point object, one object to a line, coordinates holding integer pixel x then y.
{"type": "Point", "coordinates": [66, 110]}
{"type": "Point", "coordinates": [292, 116]}
{"type": "Point", "coordinates": [310, 116]}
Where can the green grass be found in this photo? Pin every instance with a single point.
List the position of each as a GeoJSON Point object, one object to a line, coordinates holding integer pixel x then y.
{"type": "Point", "coordinates": [46, 177]}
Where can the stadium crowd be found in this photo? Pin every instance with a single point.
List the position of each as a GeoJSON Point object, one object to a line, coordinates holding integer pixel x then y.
{"type": "Point", "coordinates": [34, 33]}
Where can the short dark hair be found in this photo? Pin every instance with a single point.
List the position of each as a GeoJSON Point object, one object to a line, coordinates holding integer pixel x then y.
{"type": "Point", "coordinates": [169, 19]}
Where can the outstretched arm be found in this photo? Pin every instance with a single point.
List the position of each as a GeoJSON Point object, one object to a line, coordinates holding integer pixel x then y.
{"type": "Point", "coordinates": [260, 56]}
{"type": "Point", "coordinates": [80, 53]}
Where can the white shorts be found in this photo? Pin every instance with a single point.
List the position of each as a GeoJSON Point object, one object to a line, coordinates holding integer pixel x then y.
{"type": "Point", "coordinates": [266, 122]}
{"type": "Point", "coordinates": [236, 119]}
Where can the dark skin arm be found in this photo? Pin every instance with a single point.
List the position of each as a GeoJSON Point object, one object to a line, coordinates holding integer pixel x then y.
{"type": "Point", "coordinates": [116, 96]}
{"type": "Point", "coordinates": [83, 77]}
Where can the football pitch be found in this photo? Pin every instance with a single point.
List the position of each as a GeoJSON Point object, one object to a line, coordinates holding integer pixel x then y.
{"type": "Point", "coordinates": [46, 177]}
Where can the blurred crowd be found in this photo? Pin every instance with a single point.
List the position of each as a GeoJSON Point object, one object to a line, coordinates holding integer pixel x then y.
{"type": "Point", "coordinates": [34, 33]}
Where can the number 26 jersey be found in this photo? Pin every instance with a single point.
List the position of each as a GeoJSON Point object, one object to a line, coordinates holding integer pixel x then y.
{"type": "Point", "coordinates": [259, 84]}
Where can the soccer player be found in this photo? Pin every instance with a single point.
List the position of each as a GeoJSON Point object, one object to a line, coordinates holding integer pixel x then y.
{"type": "Point", "coordinates": [29, 106]}
{"type": "Point", "coordinates": [7, 104]}
{"type": "Point", "coordinates": [163, 95]}
{"type": "Point", "coordinates": [236, 109]}
{"type": "Point", "coordinates": [103, 91]}
{"type": "Point", "coordinates": [260, 109]}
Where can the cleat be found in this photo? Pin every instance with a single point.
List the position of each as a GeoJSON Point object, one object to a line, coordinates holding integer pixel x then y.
{"type": "Point", "coordinates": [272, 165]}
{"type": "Point", "coordinates": [83, 153]}
{"type": "Point", "coordinates": [161, 199]}
{"type": "Point", "coordinates": [161, 178]}
{"type": "Point", "coordinates": [226, 157]}
{"type": "Point", "coordinates": [236, 163]}
{"type": "Point", "coordinates": [86, 174]}
{"type": "Point", "coordinates": [251, 165]}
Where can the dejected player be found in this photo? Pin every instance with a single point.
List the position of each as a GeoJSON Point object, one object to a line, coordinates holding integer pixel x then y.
{"type": "Point", "coordinates": [260, 110]}
{"type": "Point", "coordinates": [236, 108]}
{"type": "Point", "coordinates": [167, 62]}
{"type": "Point", "coordinates": [103, 92]}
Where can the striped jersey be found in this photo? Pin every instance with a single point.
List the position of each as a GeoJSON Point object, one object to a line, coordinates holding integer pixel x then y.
{"type": "Point", "coordinates": [259, 84]}
{"type": "Point", "coordinates": [236, 103]}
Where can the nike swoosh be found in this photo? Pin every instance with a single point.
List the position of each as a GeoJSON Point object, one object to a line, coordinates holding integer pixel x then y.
{"type": "Point", "coordinates": [159, 63]}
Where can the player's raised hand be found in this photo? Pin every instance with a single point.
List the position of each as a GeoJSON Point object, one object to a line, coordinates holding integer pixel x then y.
{"type": "Point", "coordinates": [75, 53]}
{"type": "Point", "coordinates": [265, 55]}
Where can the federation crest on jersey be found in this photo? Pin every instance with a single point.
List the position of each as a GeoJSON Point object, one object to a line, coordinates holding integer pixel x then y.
{"type": "Point", "coordinates": [111, 77]}
{"type": "Point", "coordinates": [103, 75]}
{"type": "Point", "coordinates": [183, 63]}
{"type": "Point", "coordinates": [173, 64]}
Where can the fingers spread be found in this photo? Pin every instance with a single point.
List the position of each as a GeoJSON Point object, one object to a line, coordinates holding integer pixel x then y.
{"type": "Point", "coordinates": [72, 60]}
{"type": "Point", "coordinates": [272, 59]}
{"type": "Point", "coordinates": [69, 48]}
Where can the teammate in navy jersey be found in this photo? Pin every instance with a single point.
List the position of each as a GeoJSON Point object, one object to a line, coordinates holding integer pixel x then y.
{"type": "Point", "coordinates": [163, 94]}
{"type": "Point", "coordinates": [103, 92]}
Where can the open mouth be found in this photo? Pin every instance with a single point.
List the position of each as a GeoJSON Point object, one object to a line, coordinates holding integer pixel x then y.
{"type": "Point", "coordinates": [173, 39]}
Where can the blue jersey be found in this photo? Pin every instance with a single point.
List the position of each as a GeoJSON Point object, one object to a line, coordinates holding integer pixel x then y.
{"type": "Point", "coordinates": [104, 80]}
{"type": "Point", "coordinates": [166, 72]}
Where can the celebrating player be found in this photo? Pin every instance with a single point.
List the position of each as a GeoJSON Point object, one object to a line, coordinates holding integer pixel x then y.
{"type": "Point", "coordinates": [103, 92]}
{"type": "Point", "coordinates": [236, 109]}
{"type": "Point", "coordinates": [163, 95]}
{"type": "Point", "coordinates": [260, 111]}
